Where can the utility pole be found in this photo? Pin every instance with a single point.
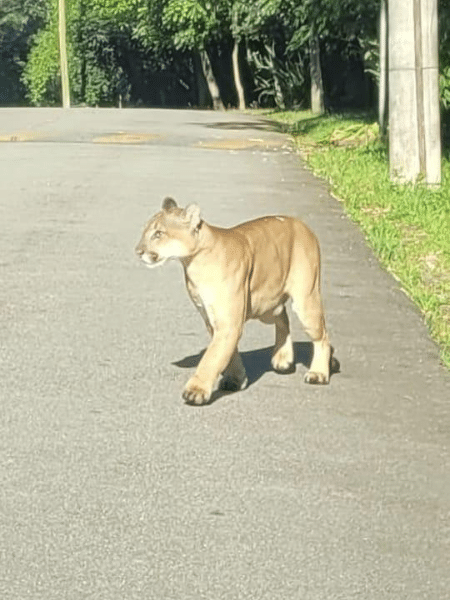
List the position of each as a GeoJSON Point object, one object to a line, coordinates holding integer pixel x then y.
{"type": "Point", "coordinates": [414, 118]}
{"type": "Point", "coordinates": [63, 55]}
{"type": "Point", "coordinates": [383, 82]}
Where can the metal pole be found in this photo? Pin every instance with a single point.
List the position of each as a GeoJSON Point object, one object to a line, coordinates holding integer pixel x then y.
{"type": "Point", "coordinates": [63, 55]}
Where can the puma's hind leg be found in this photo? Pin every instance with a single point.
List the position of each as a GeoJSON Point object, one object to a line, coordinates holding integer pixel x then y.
{"type": "Point", "coordinates": [310, 312]}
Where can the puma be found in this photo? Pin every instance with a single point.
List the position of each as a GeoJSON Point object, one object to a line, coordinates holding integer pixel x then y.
{"type": "Point", "coordinates": [246, 272]}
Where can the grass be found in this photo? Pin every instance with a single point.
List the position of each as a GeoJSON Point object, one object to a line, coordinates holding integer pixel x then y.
{"type": "Point", "coordinates": [407, 226]}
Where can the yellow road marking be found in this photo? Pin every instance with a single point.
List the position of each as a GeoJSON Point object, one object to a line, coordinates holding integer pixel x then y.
{"type": "Point", "coordinates": [21, 136]}
{"type": "Point", "coordinates": [123, 137]}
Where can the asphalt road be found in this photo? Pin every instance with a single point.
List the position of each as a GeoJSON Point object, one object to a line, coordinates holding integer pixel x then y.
{"type": "Point", "coordinates": [111, 487]}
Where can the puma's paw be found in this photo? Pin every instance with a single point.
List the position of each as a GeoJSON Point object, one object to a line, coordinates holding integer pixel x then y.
{"type": "Point", "coordinates": [316, 378]}
{"type": "Point", "coordinates": [282, 366]}
{"type": "Point", "coordinates": [283, 361]}
{"type": "Point", "coordinates": [233, 384]}
{"type": "Point", "coordinates": [196, 392]}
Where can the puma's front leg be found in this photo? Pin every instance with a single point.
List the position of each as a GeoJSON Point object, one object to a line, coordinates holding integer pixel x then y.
{"type": "Point", "coordinates": [217, 357]}
{"type": "Point", "coordinates": [283, 353]}
{"type": "Point", "coordinates": [234, 377]}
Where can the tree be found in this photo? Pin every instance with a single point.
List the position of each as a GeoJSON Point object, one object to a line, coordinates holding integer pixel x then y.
{"type": "Point", "coordinates": [19, 21]}
{"type": "Point", "coordinates": [264, 46]}
{"type": "Point", "coordinates": [444, 59]}
{"type": "Point", "coordinates": [40, 74]}
{"type": "Point", "coordinates": [93, 28]}
{"type": "Point", "coordinates": [260, 26]}
{"type": "Point", "coordinates": [316, 20]}
{"type": "Point", "coordinates": [237, 37]}
{"type": "Point", "coordinates": [194, 25]}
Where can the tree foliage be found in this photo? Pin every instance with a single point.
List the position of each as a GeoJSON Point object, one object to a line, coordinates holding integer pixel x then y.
{"type": "Point", "coordinates": [117, 47]}
{"type": "Point", "coordinates": [97, 32]}
{"type": "Point", "coordinates": [41, 72]}
{"type": "Point", "coordinates": [444, 52]}
{"type": "Point", "coordinates": [19, 21]}
{"type": "Point", "coordinates": [192, 23]}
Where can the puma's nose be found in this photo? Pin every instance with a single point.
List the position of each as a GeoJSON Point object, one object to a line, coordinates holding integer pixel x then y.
{"type": "Point", "coordinates": [139, 250]}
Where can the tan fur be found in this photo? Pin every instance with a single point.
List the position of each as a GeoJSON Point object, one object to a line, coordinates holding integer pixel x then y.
{"type": "Point", "coordinates": [246, 272]}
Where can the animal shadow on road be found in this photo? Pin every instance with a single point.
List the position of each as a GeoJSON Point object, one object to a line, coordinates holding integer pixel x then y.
{"type": "Point", "coordinates": [256, 363]}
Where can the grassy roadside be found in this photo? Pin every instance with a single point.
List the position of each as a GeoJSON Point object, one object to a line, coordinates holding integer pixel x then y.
{"type": "Point", "coordinates": [408, 227]}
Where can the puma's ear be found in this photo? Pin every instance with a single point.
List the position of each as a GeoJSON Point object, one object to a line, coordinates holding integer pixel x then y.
{"type": "Point", "coordinates": [193, 216]}
{"type": "Point", "coordinates": [169, 204]}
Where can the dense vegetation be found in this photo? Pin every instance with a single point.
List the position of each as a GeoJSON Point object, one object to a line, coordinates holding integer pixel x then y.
{"type": "Point", "coordinates": [198, 52]}
{"type": "Point", "coordinates": [189, 52]}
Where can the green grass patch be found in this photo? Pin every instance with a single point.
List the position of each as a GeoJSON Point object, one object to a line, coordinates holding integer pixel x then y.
{"type": "Point", "coordinates": [407, 226]}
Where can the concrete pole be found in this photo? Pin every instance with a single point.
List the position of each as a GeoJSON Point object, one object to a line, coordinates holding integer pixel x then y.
{"type": "Point", "coordinates": [414, 118]}
{"type": "Point", "coordinates": [63, 55]}
{"type": "Point", "coordinates": [383, 82]}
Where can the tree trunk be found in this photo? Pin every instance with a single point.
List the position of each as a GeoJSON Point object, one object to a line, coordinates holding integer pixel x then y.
{"type": "Point", "coordinates": [203, 97]}
{"type": "Point", "coordinates": [237, 75]}
{"type": "Point", "coordinates": [317, 102]}
{"type": "Point", "coordinates": [279, 97]}
{"type": "Point", "coordinates": [211, 81]}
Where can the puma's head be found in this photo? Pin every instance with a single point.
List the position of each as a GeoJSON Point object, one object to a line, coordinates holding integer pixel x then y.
{"type": "Point", "coordinates": [171, 233]}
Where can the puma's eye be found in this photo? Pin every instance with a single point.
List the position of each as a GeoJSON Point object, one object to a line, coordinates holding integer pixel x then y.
{"type": "Point", "coordinates": [157, 235]}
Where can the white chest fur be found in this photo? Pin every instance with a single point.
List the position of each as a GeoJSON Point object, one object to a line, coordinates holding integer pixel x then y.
{"type": "Point", "coordinates": [203, 296]}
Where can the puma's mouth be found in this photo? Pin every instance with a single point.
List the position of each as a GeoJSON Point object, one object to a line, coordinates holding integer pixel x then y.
{"type": "Point", "coordinates": [152, 260]}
